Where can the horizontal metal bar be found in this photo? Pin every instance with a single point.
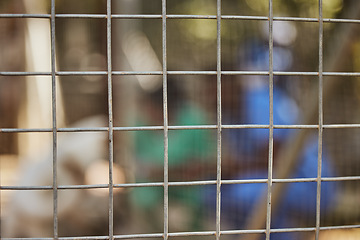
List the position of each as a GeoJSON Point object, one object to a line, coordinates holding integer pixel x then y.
{"type": "Point", "coordinates": [27, 238]}
{"type": "Point", "coordinates": [84, 237]}
{"type": "Point", "coordinates": [191, 72]}
{"type": "Point", "coordinates": [296, 19]}
{"type": "Point", "coordinates": [334, 20]}
{"type": "Point", "coordinates": [94, 129]}
{"type": "Point", "coordinates": [184, 234]}
{"type": "Point", "coordinates": [291, 180]}
{"type": "Point", "coordinates": [30, 130]}
{"type": "Point", "coordinates": [342, 126]}
{"type": "Point", "coordinates": [243, 181]}
{"type": "Point", "coordinates": [283, 73]}
{"type": "Point", "coordinates": [156, 16]}
{"type": "Point", "coordinates": [289, 19]}
{"type": "Point", "coordinates": [257, 126]}
{"type": "Point", "coordinates": [136, 16]}
{"type": "Point", "coordinates": [184, 127]}
{"type": "Point", "coordinates": [123, 185]}
{"type": "Point", "coordinates": [344, 74]}
{"type": "Point", "coordinates": [193, 183]}
{"type": "Point", "coordinates": [237, 17]}
{"type": "Point", "coordinates": [188, 127]}
{"type": "Point", "coordinates": [24, 130]}
{"type": "Point", "coordinates": [236, 232]}
{"type": "Point", "coordinates": [347, 74]}
{"type": "Point", "coordinates": [177, 16]}
{"type": "Point", "coordinates": [204, 233]}
{"type": "Point", "coordinates": [299, 126]}
{"type": "Point", "coordinates": [284, 230]}
{"type": "Point", "coordinates": [73, 73]}
{"type": "Point", "coordinates": [66, 15]}
{"type": "Point", "coordinates": [140, 128]}
{"type": "Point", "coordinates": [137, 72]}
{"type": "Point", "coordinates": [144, 235]}
{"type": "Point", "coordinates": [333, 179]}
{"type": "Point", "coordinates": [79, 73]}
{"type": "Point", "coordinates": [183, 16]}
{"type": "Point", "coordinates": [130, 185]}
{"type": "Point", "coordinates": [62, 238]}
{"type": "Point", "coordinates": [245, 73]}
{"type": "Point", "coordinates": [26, 188]}
{"type": "Point", "coordinates": [25, 73]}
{"type": "Point", "coordinates": [23, 15]}
{"type": "Point", "coordinates": [265, 73]}
{"type": "Point", "coordinates": [186, 183]}
{"type": "Point", "coordinates": [80, 129]}
{"type": "Point", "coordinates": [294, 180]}
{"type": "Point", "coordinates": [93, 186]}
{"type": "Point", "coordinates": [340, 227]}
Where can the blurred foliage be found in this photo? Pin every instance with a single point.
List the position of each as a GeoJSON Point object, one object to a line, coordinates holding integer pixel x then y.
{"type": "Point", "coordinates": [191, 45]}
{"type": "Point", "coordinates": [193, 41]}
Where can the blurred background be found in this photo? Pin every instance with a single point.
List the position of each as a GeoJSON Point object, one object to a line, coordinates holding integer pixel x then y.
{"type": "Point", "coordinates": [82, 101]}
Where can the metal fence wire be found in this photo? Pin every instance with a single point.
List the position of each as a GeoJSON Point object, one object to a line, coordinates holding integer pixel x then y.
{"type": "Point", "coordinates": [246, 141]}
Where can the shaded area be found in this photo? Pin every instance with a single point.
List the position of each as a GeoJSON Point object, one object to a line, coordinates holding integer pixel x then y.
{"type": "Point", "coordinates": [138, 102]}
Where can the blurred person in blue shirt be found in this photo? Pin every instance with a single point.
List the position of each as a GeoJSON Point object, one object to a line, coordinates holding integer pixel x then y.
{"type": "Point", "coordinates": [249, 149]}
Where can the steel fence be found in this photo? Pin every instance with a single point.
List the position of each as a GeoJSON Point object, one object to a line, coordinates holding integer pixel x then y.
{"type": "Point", "coordinates": [263, 213]}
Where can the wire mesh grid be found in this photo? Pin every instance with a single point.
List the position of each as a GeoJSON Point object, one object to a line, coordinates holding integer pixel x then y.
{"type": "Point", "coordinates": [263, 213]}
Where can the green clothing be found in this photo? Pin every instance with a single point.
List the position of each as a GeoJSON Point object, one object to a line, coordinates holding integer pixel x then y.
{"type": "Point", "coordinates": [184, 146]}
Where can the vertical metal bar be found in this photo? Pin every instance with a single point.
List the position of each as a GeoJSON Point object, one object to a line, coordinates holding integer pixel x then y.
{"type": "Point", "coordinates": [111, 132]}
{"type": "Point", "coordinates": [218, 88]}
{"type": "Point", "coordinates": [320, 134]}
{"type": "Point", "coordinates": [166, 130]}
{"type": "Point", "coordinates": [54, 124]}
{"type": "Point", "coordinates": [271, 123]}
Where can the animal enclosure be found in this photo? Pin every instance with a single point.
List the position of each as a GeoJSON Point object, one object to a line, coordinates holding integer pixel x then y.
{"type": "Point", "coordinates": [169, 119]}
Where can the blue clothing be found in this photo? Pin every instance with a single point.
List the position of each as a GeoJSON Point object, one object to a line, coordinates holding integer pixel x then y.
{"type": "Point", "coordinates": [257, 112]}
{"type": "Point", "coordinates": [238, 200]}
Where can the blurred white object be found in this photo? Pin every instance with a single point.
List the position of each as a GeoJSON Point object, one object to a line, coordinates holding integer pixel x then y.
{"type": "Point", "coordinates": [142, 57]}
{"type": "Point", "coordinates": [284, 33]}
{"type": "Point", "coordinates": [30, 212]}
{"type": "Point", "coordinates": [36, 110]}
